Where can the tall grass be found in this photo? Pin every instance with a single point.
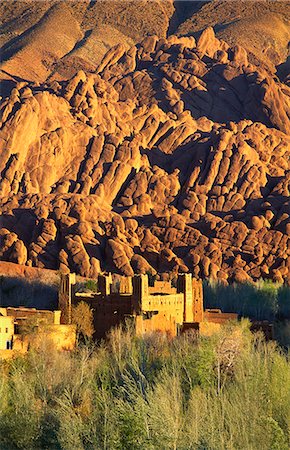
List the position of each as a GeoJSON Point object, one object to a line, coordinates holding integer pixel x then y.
{"type": "Point", "coordinates": [228, 391]}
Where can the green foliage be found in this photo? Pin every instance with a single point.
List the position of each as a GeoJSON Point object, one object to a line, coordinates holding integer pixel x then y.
{"type": "Point", "coordinates": [229, 391]}
{"type": "Point", "coordinates": [263, 300]}
{"type": "Point", "coordinates": [282, 333]}
{"type": "Point", "coordinates": [91, 285]}
{"type": "Point", "coordinates": [20, 413]}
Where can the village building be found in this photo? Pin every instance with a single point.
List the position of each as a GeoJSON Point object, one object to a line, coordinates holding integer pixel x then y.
{"type": "Point", "coordinates": [146, 307]}
{"type": "Point", "coordinates": [22, 327]}
{"type": "Point", "coordinates": [160, 307]}
{"type": "Point", "coordinates": [6, 330]}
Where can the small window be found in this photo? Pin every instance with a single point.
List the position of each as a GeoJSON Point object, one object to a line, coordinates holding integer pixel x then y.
{"type": "Point", "coordinates": [0, 330]}
{"type": "Point", "coordinates": [6, 330]}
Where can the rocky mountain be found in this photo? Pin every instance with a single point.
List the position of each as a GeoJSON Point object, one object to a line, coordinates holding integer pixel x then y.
{"type": "Point", "coordinates": [261, 27]}
{"type": "Point", "coordinates": [168, 155]}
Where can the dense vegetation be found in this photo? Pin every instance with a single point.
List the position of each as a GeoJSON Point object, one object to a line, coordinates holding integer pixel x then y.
{"type": "Point", "coordinates": [228, 391]}
{"type": "Point", "coordinates": [263, 300]}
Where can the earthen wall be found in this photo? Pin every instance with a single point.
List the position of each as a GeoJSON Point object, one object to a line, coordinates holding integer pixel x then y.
{"type": "Point", "coordinates": [6, 332]}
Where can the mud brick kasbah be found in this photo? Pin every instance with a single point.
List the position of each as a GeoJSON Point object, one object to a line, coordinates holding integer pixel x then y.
{"type": "Point", "coordinates": [160, 307]}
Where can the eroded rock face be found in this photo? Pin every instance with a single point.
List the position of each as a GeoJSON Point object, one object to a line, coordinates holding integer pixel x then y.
{"type": "Point", "coordinates": [173, 156]}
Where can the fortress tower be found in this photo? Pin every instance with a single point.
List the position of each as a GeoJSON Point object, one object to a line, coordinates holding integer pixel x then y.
{"type": "Point", "coordinates": [140, 292]}
{"type": "Point", "coordinates": [104, 284]}
{"type": "Point", "coordinates": [193, 298]}
{"type": "Point", "coordinates": [197, 301]}
{"type": "Point", "coordinates": [67, 280]}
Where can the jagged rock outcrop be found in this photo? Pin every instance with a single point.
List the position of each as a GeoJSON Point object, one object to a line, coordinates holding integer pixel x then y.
{"type": "Point", "coordinates": [261, 27]}
{"type": "Point", "coordinates": [172, 156]}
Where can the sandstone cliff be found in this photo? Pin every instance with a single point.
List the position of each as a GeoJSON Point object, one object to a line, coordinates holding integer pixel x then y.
{"type": "Point", "coordinates": [172, 155]}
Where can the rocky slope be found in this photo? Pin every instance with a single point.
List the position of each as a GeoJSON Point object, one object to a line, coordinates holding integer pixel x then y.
{"type": "Point", "coordinates": [172, 155]}
{"type": "Point", "coordinates": [56, 38]}
{"type": "Point", "coordinates": [261, 27]}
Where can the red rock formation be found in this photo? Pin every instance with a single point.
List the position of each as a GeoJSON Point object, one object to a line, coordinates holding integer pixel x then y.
{"type": "Point", "coordinates": [172, 156]}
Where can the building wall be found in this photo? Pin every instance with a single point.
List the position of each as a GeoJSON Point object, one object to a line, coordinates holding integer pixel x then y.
{"type": "Point", "coordinates": [6, 354]}
{"type": "Point", "coordinates": [173, 302]}
{"type": "Point", "coordinates": [161, 287]}
{"type": "Point", "coordinates": [6, 332]}
{"type": "Point", "coordinates": [161, 322]}
{"type": "Point", "coordinates": [109, 311]}
{"type": "Point", "coordinates": [46, 327]}
{"type": "Point", "coordinates": [58, 337]}
{"type": "Point", "coordinates": [159, 307]}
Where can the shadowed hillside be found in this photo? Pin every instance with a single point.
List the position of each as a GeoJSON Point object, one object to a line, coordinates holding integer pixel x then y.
{"type": "Point", "coordinates": [58, 38]}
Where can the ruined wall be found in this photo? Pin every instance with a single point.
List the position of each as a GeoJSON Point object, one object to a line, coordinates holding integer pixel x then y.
{"type": "Point", "coordinates": [216, 316]}
{"type": "Point", "coordinates": [40, 316]}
